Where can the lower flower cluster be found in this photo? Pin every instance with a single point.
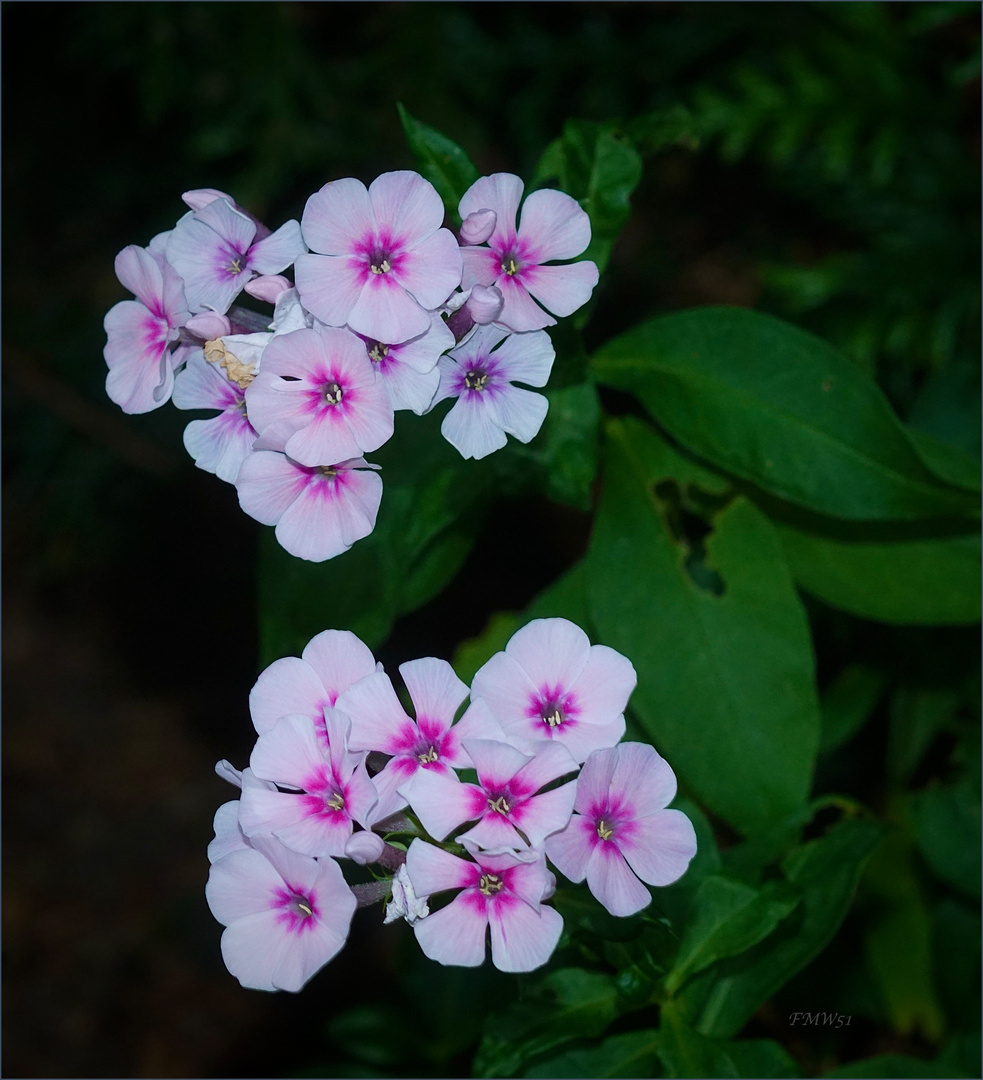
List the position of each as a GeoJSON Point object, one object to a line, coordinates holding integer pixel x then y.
{"type": "Point", "coordinates": [340, 771]}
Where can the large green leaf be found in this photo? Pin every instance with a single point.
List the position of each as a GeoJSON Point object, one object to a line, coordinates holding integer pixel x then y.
{"type": "Point", "coordinates": [728, 918]}
{"type": "Point", "coordinates": [596, 164]}
{"type": "Point", "coordinates": [915, 582]}
{"type": "Point", "coordinates": [781, 408]}
{"type": "Point", "coordinates": [566, 1005]}
{"type": "Point", "coordinates": [726, 685]}
{"type": "Point", "coordinates": [722, 999]}
{"type": "Point", "coordinates": [440, 160]}
{"type": "Point", "coordinates": [847, 704]}
{"type": "Point", "coordinates": [946, 826]}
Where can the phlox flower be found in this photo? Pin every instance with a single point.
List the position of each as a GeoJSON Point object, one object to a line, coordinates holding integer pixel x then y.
{"type": "Point", "coordinates": [222, 443]}
{"type": "Point", "coordinates": [552, 226]}
{"type": "Point", "coordinates": [318, 512]}
{"type": "Point", "coordinates": [140, 332]}
{"type": "Point", "coordinates": [409, 369]}
{"type": "Point", "coordinates": [309, 683]}
{"type": "Point", "coordinates": [480, 373]}
{"type": "Point", "coordinates": [286, 915]}
{"type": "Point", "coordinates": [331, 791]}
{"type": "Point", "coordinates": [499, 893]}
{"type": "Point", "coordinates": [428, 744]}
{"type": "Point", "coordinates": [318, 399]}
{"type": "Point", "coordinates": [507, 802]}
{"type": "Point", "coordinates": [551, 683]}
{"type": "Point", "coordinates": [229, 836]}
{"type": "Point", "coordinates": [384, 261]}
{"type": "Point", "coordinates": [216, 251]}
{"type": "Point", "coordinates": [621, 830]}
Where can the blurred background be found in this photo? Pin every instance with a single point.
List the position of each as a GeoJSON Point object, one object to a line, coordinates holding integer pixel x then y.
{"type": "Point", "coordinates": [834, 181]}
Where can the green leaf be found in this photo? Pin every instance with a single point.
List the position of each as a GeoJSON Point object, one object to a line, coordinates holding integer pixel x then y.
{"type": "Point", "coordinates": [673, 125]}
{"type": "Point", "coordinates": [951, 464]}
{"type": "Point", "coordinates": [722, 999]}
{"type": "Point", "coordinates": [630, 1055]}
{"type": "Point", "coordinates": [892, 1067]}
{"type": "Point", "coordinates": [566, 448]}
{"type": "Point", "coordinates": [596, 164]}
{"type": "Point", "coordinates": [566, 598]}
{"type": "Point", "coordinates": [913, 582]}
{"type": "Point", "coordinates": [687, 1053]}
{"type": "Point", "coordinates": [946, 826]}
{"type": "Point", "coordinates": [726, 685]}
{"type": "Point", "coordinates": [567, 1004]}
{"type": "Point", "coordinates": [781, 408]}
{"type": "Point", "coordinates": [847, 704]}
{"type": "Point", "coordinates": [728, 918]}
{"type": "Point", "coordinates": [897, 940]}
{"type": "Point", "coordinates": [917, 715]}
{"type": "Point", "coordinates": [475, 652]}
{"type": "Point", "coordinates": [440, 160]}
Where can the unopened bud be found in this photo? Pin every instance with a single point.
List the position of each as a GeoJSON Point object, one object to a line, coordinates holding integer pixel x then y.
{"type": "Point", "coordinates": [268, 287]}
{"type": "Point", "coordinates": [364, 847]}
{"type": "Point", "coordinates": [477, 227]}
{"type": "Point", "coordinates": [485, 304]}
{"type": "Point", "coordinates": [208, 325]}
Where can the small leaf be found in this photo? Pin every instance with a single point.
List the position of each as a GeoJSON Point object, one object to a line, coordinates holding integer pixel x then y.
{"type": "Point", "coordinates": [630, 1055]}
{"type": "Point", "coordinates": [847, 703]}
{"type": "Point", "coordinates": [946, 826]}
{"type": "Point", "coordinates": [440, 160]}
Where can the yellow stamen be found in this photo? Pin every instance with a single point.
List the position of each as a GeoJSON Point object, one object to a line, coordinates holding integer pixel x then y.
{"type": "Point", "coordinates": [554, 719]}
{"type": "Point", "coordinates": [490, 884]}
{"type": "Point", "coordinates": [430, 755]}
{"type": "Point", "coordinates": [336, 802]}
{"type": "Point", "coordinates": [603, 831]}
{"type": "Point", "coordinates": [500, 806]}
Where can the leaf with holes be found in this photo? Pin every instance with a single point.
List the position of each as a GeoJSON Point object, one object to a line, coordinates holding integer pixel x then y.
{"type": "Point", "coordinates": [717, 634]}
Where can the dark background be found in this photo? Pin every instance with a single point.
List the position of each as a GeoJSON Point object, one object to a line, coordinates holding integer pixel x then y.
{"type": "Point", "coordinates": [128, 575]}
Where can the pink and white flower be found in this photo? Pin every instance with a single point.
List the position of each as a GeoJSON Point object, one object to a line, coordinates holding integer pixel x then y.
{"type": "Point", "coordinates": [409, 369]}
{"type": "Point", "coordinates": [500, 893]}
{"type": "Point", "coordinates": [308, 684]}
{"type": "Point", "coordinates": [222, 443]}
{"type": "Point", "coordinates": [286, 915]}
{"type": "Point", "coordinates": [480, 373]}
{"type": "Point", "coordinates": [318, 512]}
{"type": "Point", "coordinates": [331, 789]}
{"type": "Point", "coordinates": [384, 261]}
{"type": "Point", "coordinates": [551, 683]}
{"type": "Point", "coordinates": [508, 804]}
{"type": "Point", "coordinates": [621, 830]}
{"type": "Point", "coordinates": [430, 743]}
{"type": "Point", "coordinates": [140, 332]}
{"type": "Point", "coordinates": [216, 251]}
{"type": "Point", "coordinates": [552, 226]}
{"type": "Point", "coordinates": [318, 398]}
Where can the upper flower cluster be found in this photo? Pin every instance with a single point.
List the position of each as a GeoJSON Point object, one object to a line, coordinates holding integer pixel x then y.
{"type": "Point", "coordinates": [341, 771]}
{"type": "Point", "coordinates": [389, 310]}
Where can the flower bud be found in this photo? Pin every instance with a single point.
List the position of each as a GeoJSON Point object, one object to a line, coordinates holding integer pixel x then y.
{"type": "Point", "coordinates": [268, 287]}
{"type": "Point", "coordinates": [208, 325]}
{"type": "Point", "coordinates": [485, 304]}
{"type": "Point", "coordinates": [477, 227]}
{"type": "Point", "coordinates": [364, 847]}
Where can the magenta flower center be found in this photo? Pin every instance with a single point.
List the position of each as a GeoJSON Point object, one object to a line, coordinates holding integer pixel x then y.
{"type": "Point", "coordinates": [297, 910]}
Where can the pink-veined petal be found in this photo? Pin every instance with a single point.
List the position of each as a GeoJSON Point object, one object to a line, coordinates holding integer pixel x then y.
{"type": "Point", "coordinates": [252, 948]}
{"type": "Point", "coordinates": [370, 420]}
{"type": "Point", "coordinates": [435, 690]}
{"type": "Point", "coordinates": [522, 939]}
{"type": "Point", "coordinates": [502, 683]}
{"type": "Point", "coordinates": [550, 651]}
{"type": "Point", "coordinates": [520, 312]}
{"type": "Point", "coordinates": [561, 289]}
{"type": "Point", "coordinates": [201, 385]}
{"type": "Point", "coordinates": [338, 217]}
{"type": "Point", "coordinates": [471, 428]}
{"type": "Point", "coordinates": [521, 412]}
{"type": "Point", "coordinates": [479, 266]}
{"type": "Point", "coordinates": [328, 286]}
{"type": "Point", "coordinates": [433, 870]}
{"type": "Point", "coordinates": [545, 814]}
{"type": "Point", "coordinates": [442, 802]}
{"type": "Point", "coordinates": [220, 445]}
{"type": "Point", "coordinates": [554, 225]}
{"type": "Point", "coordinates": [378, 719]}
{"type": "Point", "coordinates": [288, 685]}
{"type": "Point", "coordinates": [611, 881]}
{"type": "Point", "coordinates": [228, 836]}
{"type": "Point", "coordinates": [408, 207]}
{"type": "Point", "coordinates": [321, 523]}
{"type": "Point", "coordinates": [289, 753]}
{"type": "Point", "coordinates": [582, 739]}
{"type": "Point", "coordinates": [340, 659]}
{"type": "Point", "coordinates": [268, 484]}
{"type": "Point", "coordinates": [278, 250]}
{"type": "Point", "coordinates": [454, 935]}
{"type": "Point", "coordinates": [604, 685]}
{"type": "Point", "coordinates": [140, 272]}
{"type": "Point", "coordinates": [660, 846]}
{"type": "Point", "coordinates": [570, 849]}
{"type": "Point", "coordinates": [326, 440]}
{"type": "Point", "coordinates": [526, 358]}
{"type": "Point", "coordinates": [308, 953]}
{"type": "Point", "coordinates": [385, 311]}
{"type": "Point", "coordinates": [594, 782]}
{"type": "Point", "coordinates": [643, 778]}
{"type": "Point", "coordinates": [240, 885]}
{"type": "Point", "coordinates": [496, 762]}
{"type": "Point", "coordinates": [431, 271]}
